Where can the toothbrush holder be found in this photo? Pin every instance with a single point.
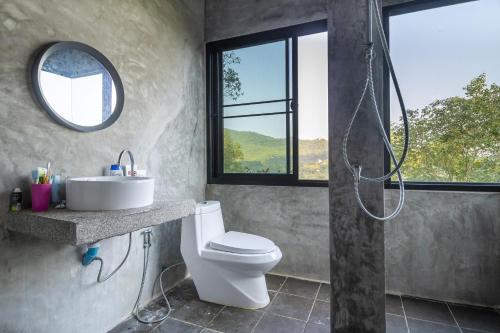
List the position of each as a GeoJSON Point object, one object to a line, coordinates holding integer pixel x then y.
{"type": "Point", "coordinates": [40, 197]}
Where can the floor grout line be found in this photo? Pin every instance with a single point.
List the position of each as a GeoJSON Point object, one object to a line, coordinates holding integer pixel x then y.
{"type": "Point", "coordinates": [312, 308]}
{"type": "Point", "coordinates": [433, 322]}
{"type": "Point", "coordinates": [394, 315]}
{"type": "Point", "coordinates": [317, 293]}
{"type": "Point", "coordinates": [216, 315]}
{"type": "Point", "coordinates": [314, 298]}
{"type": "Point", "coordinates": [283, 316]}
{"type": "Point", "coordinates": [185, 322]}
{"type": "Point", "coordinates": [453, 316]}
{"type": "Point", "coordinates": [404, 314]}
{"type": "Point", "coordinates": [258, 321]}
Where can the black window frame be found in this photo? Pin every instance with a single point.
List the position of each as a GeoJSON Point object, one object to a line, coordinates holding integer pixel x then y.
{"type": "Point", "coordinates": [215, 146]}
{"type": "Point", "coordinates": [401, 9]}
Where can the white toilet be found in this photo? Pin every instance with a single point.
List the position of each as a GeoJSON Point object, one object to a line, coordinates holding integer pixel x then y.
{"type": "Point", "coordinates": [227, 267]}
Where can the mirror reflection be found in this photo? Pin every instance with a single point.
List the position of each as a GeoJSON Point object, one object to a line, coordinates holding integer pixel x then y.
{"type": "Point", "coordinates": [77, 87]}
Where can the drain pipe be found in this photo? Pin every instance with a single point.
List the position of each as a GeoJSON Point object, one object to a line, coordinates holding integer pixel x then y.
{"type": "Point", "coordinates": [91, 254]}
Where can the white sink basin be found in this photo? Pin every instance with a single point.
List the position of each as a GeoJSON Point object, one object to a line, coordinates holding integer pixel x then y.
{"type": "Point", "coordinates": [109, 193]}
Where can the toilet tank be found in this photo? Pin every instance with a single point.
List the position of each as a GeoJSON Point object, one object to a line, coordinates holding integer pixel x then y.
{"type": "Point", "coordinates": [208, 221]}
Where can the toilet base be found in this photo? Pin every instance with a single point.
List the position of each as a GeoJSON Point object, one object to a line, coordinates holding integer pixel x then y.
{"type": "Point", "coordinates": [225, 287]}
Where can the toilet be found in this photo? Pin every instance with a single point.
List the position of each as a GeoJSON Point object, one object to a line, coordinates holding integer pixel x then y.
{"type": "Point", "coordinates": [227, 268]}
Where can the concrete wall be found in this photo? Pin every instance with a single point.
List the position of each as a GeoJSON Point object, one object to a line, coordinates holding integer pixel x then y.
{"type": "Point", "coordinates": [157, 48]}
{"type": "Point", "coordinates": [295, 218]}
{"type": "Point", "coordinates": [230, 18]}
{"type": "Point", "coordinates": [444, 245]}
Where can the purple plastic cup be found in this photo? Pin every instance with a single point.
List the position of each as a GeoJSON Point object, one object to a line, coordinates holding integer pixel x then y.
{"type": "Point", "coordinates": [40, 197]}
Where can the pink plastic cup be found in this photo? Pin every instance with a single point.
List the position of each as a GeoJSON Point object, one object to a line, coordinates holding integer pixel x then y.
{"type": "Point", "coordinates": [40, 197]}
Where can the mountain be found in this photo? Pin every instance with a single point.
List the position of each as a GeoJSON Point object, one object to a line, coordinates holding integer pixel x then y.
{"type": "Point", "coordinates": [251, 152]}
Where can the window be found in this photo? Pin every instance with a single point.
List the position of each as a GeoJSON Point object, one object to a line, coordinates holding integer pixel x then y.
{"type": "Point", "coordinates": [447, 57]}
{"type": "Point", "coordinates": [267, 107]}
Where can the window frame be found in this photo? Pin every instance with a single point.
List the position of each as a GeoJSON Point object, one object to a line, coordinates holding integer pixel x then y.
{"type": "Point", "coordinates": [215, 145]}
{"type": "Point", "coordinates": [401, 9]}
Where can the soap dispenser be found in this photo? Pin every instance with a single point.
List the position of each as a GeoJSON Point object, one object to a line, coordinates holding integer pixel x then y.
{"type": "Point", "coordinates": [116, 170]}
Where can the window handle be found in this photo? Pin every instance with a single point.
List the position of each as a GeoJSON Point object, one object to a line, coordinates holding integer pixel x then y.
{"type": "Point", "coordinates": [293, 105]}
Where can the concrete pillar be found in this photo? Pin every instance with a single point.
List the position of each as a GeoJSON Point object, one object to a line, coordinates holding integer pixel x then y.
{"type": "Point", "coordinates": [356, 241]}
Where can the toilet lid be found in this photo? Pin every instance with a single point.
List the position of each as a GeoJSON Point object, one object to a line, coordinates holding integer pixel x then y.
{"type": "Point", "coordinates": [238, 242]}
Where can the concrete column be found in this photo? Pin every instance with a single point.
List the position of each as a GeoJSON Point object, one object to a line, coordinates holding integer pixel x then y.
{"type": "Point", "coordinates": [356, 241]}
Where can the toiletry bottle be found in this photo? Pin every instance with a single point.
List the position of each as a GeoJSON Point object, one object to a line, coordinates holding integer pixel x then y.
{"type": "Point", "coordinates": [116, 170]}
{"type": "Point", "coordinates": [16, 200]}
{"type": "Point", "coordinates": [56, 188]}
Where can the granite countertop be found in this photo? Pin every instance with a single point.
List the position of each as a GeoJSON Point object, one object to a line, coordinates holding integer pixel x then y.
{"type": "Point", "coordinates": [83, 227]}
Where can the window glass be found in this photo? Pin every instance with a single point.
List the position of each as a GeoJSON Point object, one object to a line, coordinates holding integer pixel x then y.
{"type": "Point", "coordinates": [448, 64]}
{"type": "Point", "coordinates": [255, 144]}
{"type": "Point", "coordinates": [313, 106]}
{"type": "Point", "coordinates": [268, 107]}
{"type": "Point", "coordinates": [254, 74]}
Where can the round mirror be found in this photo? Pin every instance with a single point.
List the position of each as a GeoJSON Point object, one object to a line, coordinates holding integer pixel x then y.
{"type": "Point", "coordinates": [78, 86]}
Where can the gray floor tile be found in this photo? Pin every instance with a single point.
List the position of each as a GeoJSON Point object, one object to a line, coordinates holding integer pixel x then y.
{"type": "Point", "coordinates": [316, 328]}
{"type": "Point", "coordinates": [393, 305]}
{"type": "Point", "coordinates": [427, 310]}
{"type": "Point", "coordinates": [180, 295]}
{"type": "Point", "coordinates": [175, 326]}
{"type": "Point", "coordinates": [235, 320]}
{"type": "Point", "coordinates": [276, 324]}
{"type": "Point", "coordinates": [131, 325]}
{"type": "Point", "coordinates": [395, 324]}
{"type": "Point", "coordinates": [274, 282]}
{"type": "Point", "coordinates": [475, 318]}
{"type": "Point", "coordinates": [196, 312]}
{"type": "Point", "coordinates": [324, 292]}
{"type": "Point", "coordinates": [300, 287]}
{"type": "Point", "coordinates": [291, 306]}
{"type": "Point", "coordinates": [421, 326]}
{"type": "Point", "coordinates": [320, 313]}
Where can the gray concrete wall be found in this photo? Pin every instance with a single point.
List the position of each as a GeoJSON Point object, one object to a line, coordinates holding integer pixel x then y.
{"type": "Point", "coordinates": [444, 245]}
{"type": "Point", "coordinates": [356, 240]}
{"type": "Point", "coordinates": [157, 48]}
{"type": "Point", "coordinates": [295, 218]}
{"type": "Point", "coordinates": [230, 18]}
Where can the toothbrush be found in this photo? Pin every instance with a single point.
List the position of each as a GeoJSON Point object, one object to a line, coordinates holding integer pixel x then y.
{"type": "Point", "coordinates": [34, 176]}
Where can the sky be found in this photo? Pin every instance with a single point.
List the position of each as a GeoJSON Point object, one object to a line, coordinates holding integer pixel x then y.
{"type": "Point", "coordinates": [262, 72]}
{"type": "Point", "coordinates": [435, 53]}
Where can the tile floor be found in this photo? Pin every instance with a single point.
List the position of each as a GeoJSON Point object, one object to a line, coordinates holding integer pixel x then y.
{"type": "Point", "coordinates": [414, 315]}
{"type": "Point", "coordinates": [299, 306]}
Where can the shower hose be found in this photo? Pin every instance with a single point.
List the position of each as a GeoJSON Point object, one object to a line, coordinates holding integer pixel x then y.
{"type": "Point", "coordinates": [369, 90]}
{"type": "Point", "coordinates": [136, 310]}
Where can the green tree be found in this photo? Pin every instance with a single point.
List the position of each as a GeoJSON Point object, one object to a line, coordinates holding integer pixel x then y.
{"type": "Point", "coordinates": [233, 155]}
{"type": "Point", "coordinates": [456, 139]}
{"type": "Point", "coordinates": [232, 83]}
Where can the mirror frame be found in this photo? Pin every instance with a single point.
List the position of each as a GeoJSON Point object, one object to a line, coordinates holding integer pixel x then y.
{"type": "Point", "coordinates": [46, 52]}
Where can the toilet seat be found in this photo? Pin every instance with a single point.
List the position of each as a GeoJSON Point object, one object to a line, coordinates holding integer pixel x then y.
{"type": "Point", "coordinates": [239, 242]}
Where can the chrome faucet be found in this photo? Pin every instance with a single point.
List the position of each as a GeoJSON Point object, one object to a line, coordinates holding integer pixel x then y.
{"type": "Point", "coordinates": [131, 160]}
